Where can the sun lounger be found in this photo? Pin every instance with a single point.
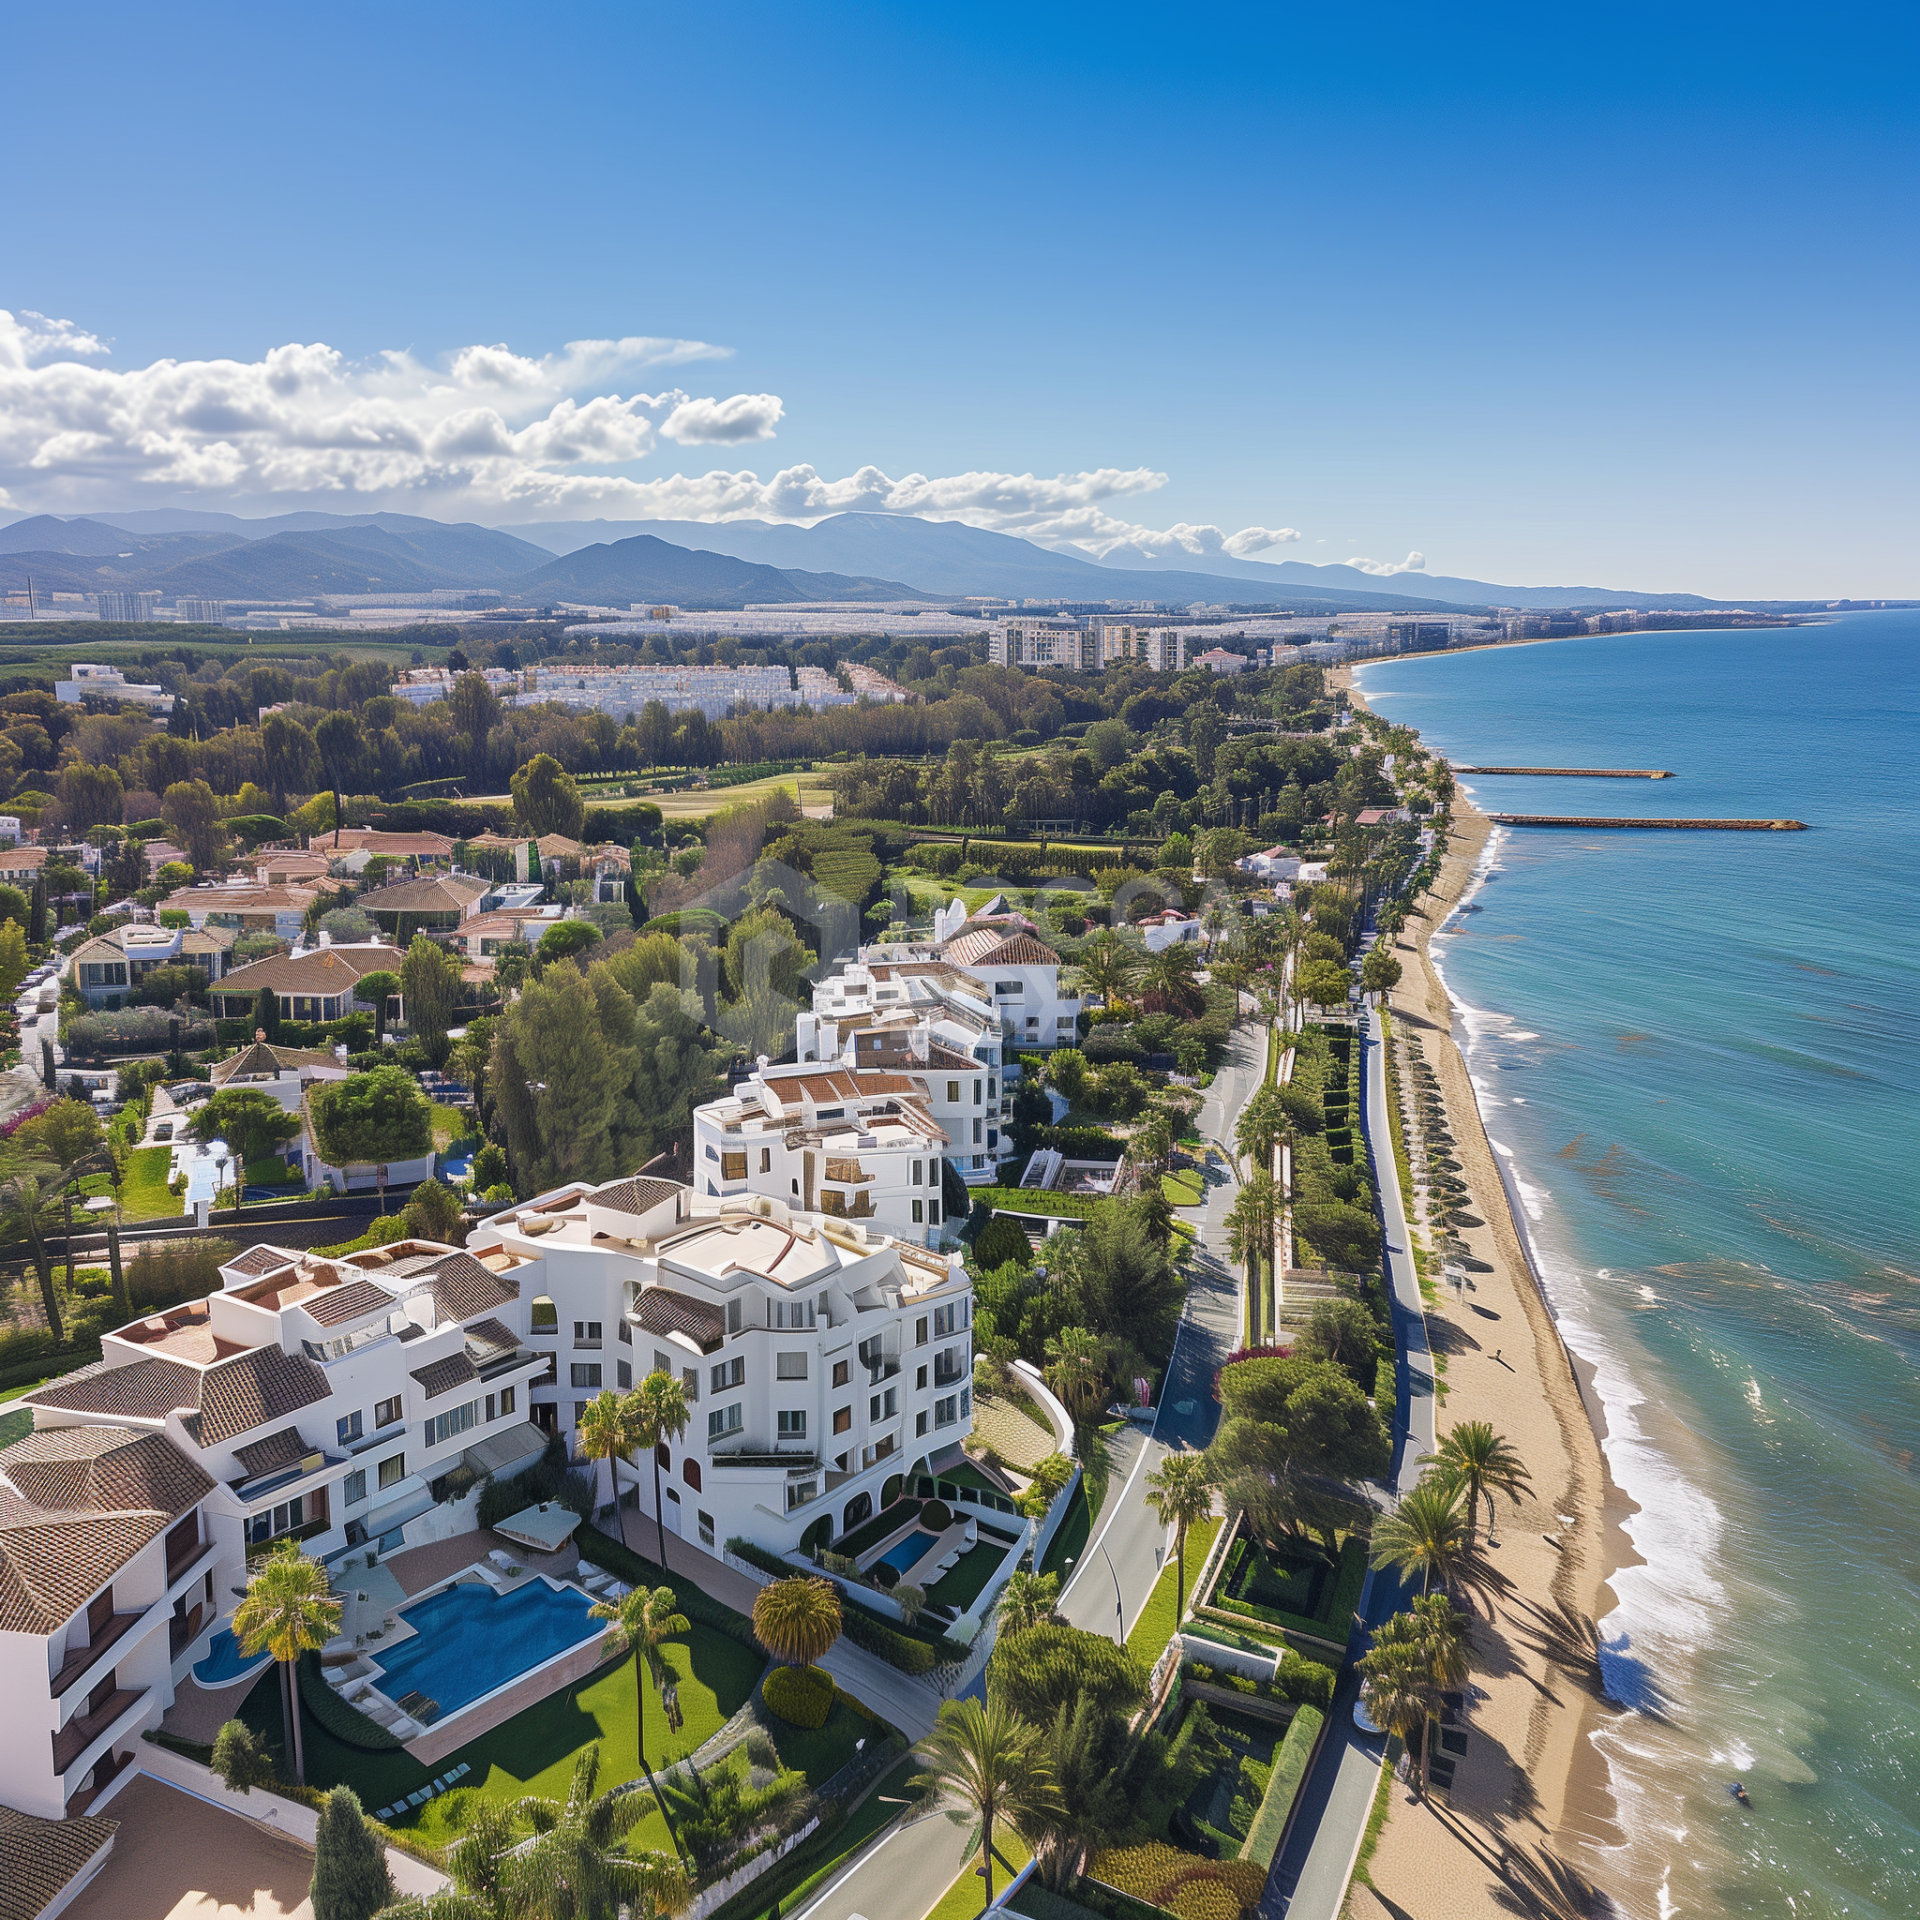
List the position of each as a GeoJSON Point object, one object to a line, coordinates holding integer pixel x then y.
{"type": "Point", "coordinates": [385, 1813]}
{"type": "Point", "coordinates": [465, 1766]}
{"type": "Point", "coordinates": [418, 1797]}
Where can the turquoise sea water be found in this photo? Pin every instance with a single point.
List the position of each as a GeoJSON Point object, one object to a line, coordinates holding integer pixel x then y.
{"type": "Point", "coordinates": [1699, 1052]}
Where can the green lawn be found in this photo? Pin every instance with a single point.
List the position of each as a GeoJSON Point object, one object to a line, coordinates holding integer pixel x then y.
{"type": "Point", "coordinates": [967, 1896]}
{"type": "Point", "coordinates": [1070, 1540]}
{"type": "Point", "coordinates": [533, 1753]}
{"type": "Point", "coordinates": [959, 1587]}
{"type": "Point", "coordinates": [1183, 1189]}
{"type": "Point", "coordinates": [143, 1191]}
{"type": "Point", "coordinates": [1158, 1621]}
{"type": "Point", "coordinates": [820, 1752]}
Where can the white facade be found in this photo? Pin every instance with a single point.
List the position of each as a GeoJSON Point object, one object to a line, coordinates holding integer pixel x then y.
{"type": "Point", "coordinates": [1163, 649]}
{"type": "Point", "coordinates": [1275, 863]}
{"type": "Point", "coordinates": [1159, 931]}
{"type": "Point", "coordinates": [109, 683]}
{"type": "Point", "coordinates": [105, 970]}
{"type": "Point", "coordinates": [624, 691]}
{"type": "Point", "coordinates": [1018, 641]}
{"type": "Point", "coordinates": [822, 1360]}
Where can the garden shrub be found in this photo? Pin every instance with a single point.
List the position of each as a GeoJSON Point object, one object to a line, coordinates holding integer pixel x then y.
{"type": "Point", "coordinates": [801, 1696]}
{"type": "Point", "coordinates": [999, 1241]}
{"type": "Point", "coordinates": [936, 1516]}
{"type": "Point", "coordinates": [1283, 1788]}
{"type": "Point", "coordinates": [894, 1647]}
{"type": "Point", "coordinates": [346, 1723]}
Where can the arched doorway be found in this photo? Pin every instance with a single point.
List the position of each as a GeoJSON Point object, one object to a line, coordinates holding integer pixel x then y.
{"type": "Point", "coordinates": [859, 1510]}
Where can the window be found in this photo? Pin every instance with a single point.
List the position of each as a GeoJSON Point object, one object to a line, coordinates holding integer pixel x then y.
{"type": "Point", "coordinates": [706, 1529]}
{"type": "Point", "coordinates": [690, 1382]}
{"type": "Point", "coordinates": [976, 1133]}
{"type": "Point", "coordinates": [443, 1426]}
{"type": "Point", "coordinates": [789, 1366]}
{"type": "Point", "coordinates": [953, 1093]}
{"type": "Point", "coordinates": [966, 1402]}
{"type": "Point", "coordinates": [766, 1159]}
{"type": "Point", "coordinates": [946, 1412]}
{"type": "Point", "coordinates": [623, 1374]}
{"type": "Point", "coordinates": [579, 1411]}
{"type": "Point", "coordinates": [492, 1409]}
{"type": "Point", "coordinates": [1006, 986]}
{"type": "Point", "coordinates": [353, 1489]}
{"type": "Point", "coordinates": [919, 1424]}
{"type": "Point", "coordinates": [729, 1373]}
{"type": "Point", "coordinates": [793, 1314]}
{"type": "Point", "coordinates": [1031, 1021]}
{"type": "Point", "coordinates": [733, 1316]}
{"type": "Point", "coordinates": [393, 1469]}
{"type": "Point", "coordinates": [733, 1166]}
{"type": "Point", "coordinates": [918, 1168]}
{"type": "Point", "coordinates": [920, 1331]}
{"type": "Point", "coordinates": [791, 1426]}
{"type": "Point", "coordinates": [723, 1421]}
{"type": "Point", "coordinates": [920, 1380]}
{"type": "Point", "coordinates": [946, 1320]}
{"type": "Point", "coordinates": [623, 1332]}
{"type": "Point", "coordinates": [543, 1315]}
{"type": "Point", "coordinates": [933, 1212]}
{"type": "Point", "coordinates": [385, 1413]}
{"type": "Point", "coordinates": [873, 1407]}
{"type": "Point", "coordinates": [919, 1208]}
{"type": "Point", "coordinates": [347, 1428]}
{"type": "Point", "coordinates": [832, 1200]}
{"type": "Point", "coordinates": [506, 1401]}
{"type": "Point", "coordinates": [662, 1363]}
{"type": "Point", "coordinates": [840, 1368]}
{"type": "Point", "coordinates": [976, 1093]}
{"type": "Point", "coordinates": [799, 1492]}
{"type": "Point", "coordinates": [1066, 1022]}
{"type": "Point", "coordinates": [992, 1088]}
{"type": "Point", "coordinates": [586, 1333]}
{"type": "Point", "coordinates": [586, 1373]}
{"type": "Point", "coordinates": [842, 1419]}
{"type": "Point", "coordinates": [690, 1472]}
{"type": "Point", "coordinates": [893, 1403]}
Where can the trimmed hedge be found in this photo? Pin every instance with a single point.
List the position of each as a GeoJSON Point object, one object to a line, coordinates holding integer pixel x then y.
{"type": "Point", "coordinates": [695, 1602]}
{"type": "Point", "coordinates": [1018, 1200]}
{"type": "Point", "coordinates": [1283, 1788]}
{"type": "Point", "coordinates": [345, 1723]}
{"type": "Point", "coordinates": [801, 1696]}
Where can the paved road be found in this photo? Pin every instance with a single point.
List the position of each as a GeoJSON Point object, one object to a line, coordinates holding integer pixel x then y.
{"type": "Point", "coordinates": [903, 1875]}
{"type": "Point", "coordinates": [1129, 1545]}
{"type": "Point", "coordinates": [1310, 1878]}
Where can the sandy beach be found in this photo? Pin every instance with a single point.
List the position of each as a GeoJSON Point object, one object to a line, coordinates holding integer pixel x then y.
{"type": "Point", "coordinates": [1529, 1808]}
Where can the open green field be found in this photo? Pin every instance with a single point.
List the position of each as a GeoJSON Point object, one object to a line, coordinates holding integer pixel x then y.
{"type": "Point", "coordinates": [1182, 1189]}
{"type": "Point", "coordinates": [700, 803]}
{"type": "Point", "coordinates": [143, 1188]}
{"type": "Point", "coordinates": [57, 640]}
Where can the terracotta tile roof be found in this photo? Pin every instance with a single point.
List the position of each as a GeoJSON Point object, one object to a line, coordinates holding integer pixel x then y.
{"type": "Point", "coordinates": [76, 1504]}
{"type": "Point", "coordinates": [44, 1857]}
{"type": "Point", "coordinates": [488, 1338]}
{"type": "Point", "coordinates": [442, 1376]}
{"type": "Point", "coordinates": [824, 1088]}
{"type": "Point", "coordinates": [251, 1389]}
{"type": "Point", "coordinates": [261, 1058]}
{"type": "Point", "coordinates": [326, 970]}
{"type": "Point", "coordinates": [397, 846]}
{"type": "Point", "coordinates": [277, 1450]}
{"type": "Point", "coordinates": [662, 1310]}
{"type": "Point", "coordinates": [261, 1259]}
{"type": "Point", "coordinates": [335, 1306]}
{"type": "Point", "coordinates": [438, 893]}
{"type": "Point", "coordinates": [145, 1389]}
{"type": "Point", "coordinates": [1023, 950]}
{"type": "Point", "coordinates": [462, 1287]}
{"type": "Point", "coordinates": [634, 1196]}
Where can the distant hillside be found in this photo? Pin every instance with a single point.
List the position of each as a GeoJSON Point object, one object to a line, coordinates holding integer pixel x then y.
{"type": "Point", "coordinates": [946, 558]}
{"type": "Point", "coordinates": [626, 572]}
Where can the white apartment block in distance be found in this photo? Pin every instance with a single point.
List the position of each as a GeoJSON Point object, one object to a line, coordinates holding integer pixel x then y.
{"type": "Point", "coordinates": [87, 682]}
{"type": "Point", "coordinates": [850, 1144]}
{"type": "Point", "coordinates": [823, 1360]}
{"type": "Point", "coordinates": [1037, 641]}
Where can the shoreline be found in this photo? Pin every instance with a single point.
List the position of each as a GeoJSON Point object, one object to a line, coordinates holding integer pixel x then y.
{"type": "Point", "coordinates": [1551, 1800]}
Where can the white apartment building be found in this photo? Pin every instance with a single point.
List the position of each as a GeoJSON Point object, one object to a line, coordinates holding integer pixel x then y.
{"type": "Point", "coordinates": [117, 1552]}
{"type": "Point", "coordinates": [820, 689]}
{"type": "Point", "coordinates": [1035, 641]}
{"type": "Point", "coordinates": [1019, 970]}
{"type": "Point", "coordinates": [823, 1360]}
{"type": "Point", "coordinates": [201, 613]}
{"type": "Point", "coordinates": [848, 1143]}
{"type": "Point", "coordinates": [1163, 649]}
{"type": "Point", "coordinates": [109, 683]}
{"type": "Point", "coordinates": [716, 691]}
{"type": "Point", "coordinates": [421, 686]}
{"type": "Point", "coordinates": [923, 1017]}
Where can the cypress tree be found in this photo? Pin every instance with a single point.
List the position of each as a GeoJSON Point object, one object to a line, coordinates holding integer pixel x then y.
{"type": "Point", "coordinates": [37, 915]}
{"type": "Point", "coordinates": [350, 1878]}
{"type": "Point", "coordinates": [266, 1014]}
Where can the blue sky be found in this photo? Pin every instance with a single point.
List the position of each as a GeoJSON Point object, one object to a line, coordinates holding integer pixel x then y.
{"type": "Point", "coordinates": [1621, 297]}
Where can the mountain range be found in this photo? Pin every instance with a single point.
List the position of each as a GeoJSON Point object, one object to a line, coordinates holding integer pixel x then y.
{"type": "Point", "coordinates": [698, 564]}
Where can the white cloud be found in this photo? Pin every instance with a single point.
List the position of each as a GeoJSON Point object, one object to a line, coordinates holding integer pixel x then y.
{"type": "Point", "coordinates": [724, 423]}
{"type": "Point", "coordinates": [1413, 563]}
{"type": "Point", "coordinates": [484, 432]}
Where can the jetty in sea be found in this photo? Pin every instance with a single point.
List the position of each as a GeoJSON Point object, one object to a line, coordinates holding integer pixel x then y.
{"type": "Point", "coordinates": [1694, 826]}
{"type": "Point", "coordinates": [1581, 773]}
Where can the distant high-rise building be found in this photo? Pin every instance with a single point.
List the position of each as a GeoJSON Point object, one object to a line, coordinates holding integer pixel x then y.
{"type": "Point", "coordinates": [203, 613]}
{"type": "Point", "coordinates": [117, 604]}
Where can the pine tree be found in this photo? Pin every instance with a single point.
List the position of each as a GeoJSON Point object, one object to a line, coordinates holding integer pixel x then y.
{"type": "Point", "coordinates": [350, 1878]}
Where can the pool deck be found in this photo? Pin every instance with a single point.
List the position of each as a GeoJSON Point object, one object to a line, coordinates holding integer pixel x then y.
{"type": "Point", "coordinates": [420, 1568]}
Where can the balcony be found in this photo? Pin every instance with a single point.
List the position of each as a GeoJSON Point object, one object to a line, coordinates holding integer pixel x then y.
{"type": "Point", "coordinates": [72, 1741]}
{"type": "Point", "coordinates": [179, 1565]}
{"type": "Point", "coordinates": [118, 1626]}
{"type": "Point", "coordinates": [184, 1629]}
{"type": "Point", "coordinates": [948, 1373]}
{"type": "Point", "coordinates": [802, 1460]}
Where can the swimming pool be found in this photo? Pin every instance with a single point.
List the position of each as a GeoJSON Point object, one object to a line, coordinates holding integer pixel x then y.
{"type": "Point", "coordinates": [470, 1640]}
{"type": "Point", "coordinates": [903, 1553]}
{"type": "Point", "coordinates": [225, 1663]}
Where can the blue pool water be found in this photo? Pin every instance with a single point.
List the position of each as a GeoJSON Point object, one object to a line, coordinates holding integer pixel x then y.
{"type": "Point", "coordinates": [903, 1553]}
{"type": "Point", "coordinates": [225, 1663]}
{"type": "Point", "coordinates": [470, 1640]}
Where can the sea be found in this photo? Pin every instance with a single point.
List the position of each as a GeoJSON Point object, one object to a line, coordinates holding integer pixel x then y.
{"type": "Point", "coordinates": [1697, 1053]}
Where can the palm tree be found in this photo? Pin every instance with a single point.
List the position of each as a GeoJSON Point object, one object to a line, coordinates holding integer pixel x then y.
{"type": "Point", "coordinates": [641, 1621]}
{"type": "Point", "coordinates": [994, 1764]}
{"type": "Point", "coordinates": [1262, 1121]}
{"type": "Point", "coordinates": [1086, 1752]}
{"type": "Point", "coordinates": [602, 1433]}
{"type": "Point", "coordinates": [576, 1867]}
{"type": "Point", "coordinates": [28, 1197]}
{"type": "Point", "coordinates": [797, 1620]}
{"type": "Point", "coordinates": [1028, 1600]}
{"type": "Point", "coordinates": [1482, 1463]}
{"type": "Point", "coordinates": [1397, 1685]}
{"type": "Point", "coordinates": [1426, 1532]}
{"type": "Point", "coordinates": [1180, 1491]}
{"type": "Point", "coordinates": [1077, 1369]}
{"type": "Point", "coordinates": [1107, 964]}
{"type": "Point", "coordinates": [1252, 1218]}
{"type": "Point", "coordinates": [289, 1609]}
{"type": "Point", "coordinates": [656, 1412]}
{"type": "Point", "coordinates": [1170, 985]}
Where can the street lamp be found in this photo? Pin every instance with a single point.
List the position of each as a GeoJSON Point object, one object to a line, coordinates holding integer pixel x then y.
{"type": "Point", "coordinates": [1119, 1607]}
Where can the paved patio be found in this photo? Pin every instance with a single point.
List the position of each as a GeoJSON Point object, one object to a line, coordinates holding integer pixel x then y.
{"type": "Point", "coordinates": [419, 1569]}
